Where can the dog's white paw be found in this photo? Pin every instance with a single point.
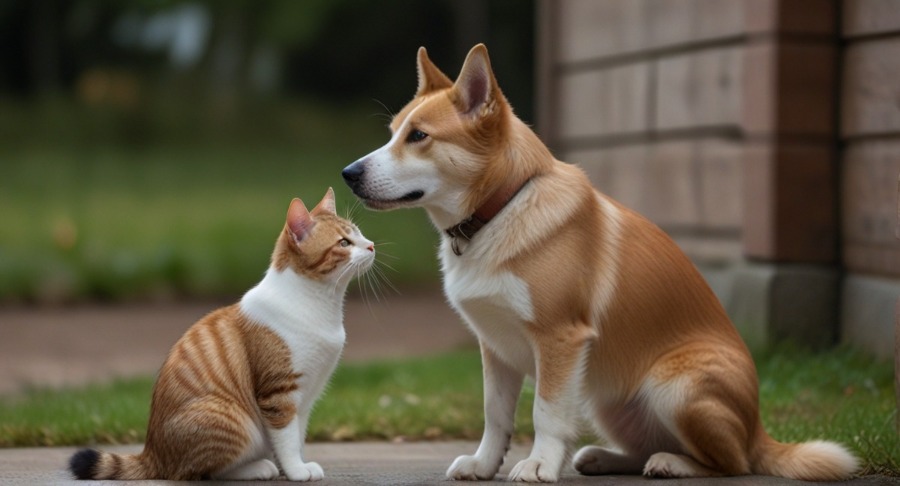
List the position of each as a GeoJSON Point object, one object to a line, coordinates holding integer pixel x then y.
{"type": "Point", "coordinates": [309, 471]}
{"type": "Point", "coordinates": [471, 468]}
{"type": "Point", "coordinates": [533, 471]}
{"type": "Point", "coordinates": [665, 465]}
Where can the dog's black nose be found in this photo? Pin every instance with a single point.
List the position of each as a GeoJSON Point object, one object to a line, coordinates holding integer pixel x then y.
{"type": "Point", "coordinates": [353, 173]}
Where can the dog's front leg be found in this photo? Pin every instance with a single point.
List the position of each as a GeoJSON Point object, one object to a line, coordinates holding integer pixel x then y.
{"type": "Point", "coordinates": [560, 356]}
{"type": "Point", "coordinates": [502, 385]}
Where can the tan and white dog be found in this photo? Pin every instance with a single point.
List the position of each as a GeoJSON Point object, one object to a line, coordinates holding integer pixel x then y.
{"type": "Point", "coordinates": [563, 284]}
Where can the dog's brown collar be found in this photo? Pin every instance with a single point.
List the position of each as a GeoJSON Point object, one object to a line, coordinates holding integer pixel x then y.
{"type": "Point", "coordinates": [483, 215]}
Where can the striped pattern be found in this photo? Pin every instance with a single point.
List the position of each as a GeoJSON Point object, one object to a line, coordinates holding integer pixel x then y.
{"type": "Point", "coordinates": [228, 379]}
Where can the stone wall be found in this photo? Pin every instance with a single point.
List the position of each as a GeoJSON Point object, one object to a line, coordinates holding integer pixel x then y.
{"type": "Point", "coordinates": [762, 135]}
{"type": "Point", "coordinates": [870, 137]}
{"type": "Point", "coordinates": [645, 96]}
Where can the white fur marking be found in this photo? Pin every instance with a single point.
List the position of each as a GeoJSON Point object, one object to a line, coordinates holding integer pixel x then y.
{"type": "Point", "coordinates": [608, 274]}
{"type": "Point", "coordinates": [497, 306]}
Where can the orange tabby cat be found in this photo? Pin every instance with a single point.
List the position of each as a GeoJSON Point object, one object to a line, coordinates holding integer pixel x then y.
{"type": "Point", "coordinates": [240, 384]}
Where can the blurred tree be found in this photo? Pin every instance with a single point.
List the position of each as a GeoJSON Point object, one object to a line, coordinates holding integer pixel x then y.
{"type": "Point", "coordinates": [43, 44]}
{"type": "Point", "coordinates": [340, 51]}
{"type": "Point", "coordinates": [368, 48]}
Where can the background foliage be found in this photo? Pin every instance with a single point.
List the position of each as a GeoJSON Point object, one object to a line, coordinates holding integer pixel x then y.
{"type": "Point", "coordinates": [149, 148]}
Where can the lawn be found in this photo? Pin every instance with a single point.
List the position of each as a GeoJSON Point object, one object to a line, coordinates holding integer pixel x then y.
{"type": "Point", "coordinates": [838, 395]}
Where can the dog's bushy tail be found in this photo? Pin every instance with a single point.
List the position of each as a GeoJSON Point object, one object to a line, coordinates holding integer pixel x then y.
{"type": "Point", "coordinates": [807, 461]}
{"type": "Point", "coordinates": [93, 464]}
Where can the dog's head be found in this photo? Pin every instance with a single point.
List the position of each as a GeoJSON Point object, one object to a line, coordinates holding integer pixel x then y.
{"type": "Point", "coordinates": [442, 143]}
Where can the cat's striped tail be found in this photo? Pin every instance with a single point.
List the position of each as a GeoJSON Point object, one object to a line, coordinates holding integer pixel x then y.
{"type": "Point", "coordinates": [93, 464]}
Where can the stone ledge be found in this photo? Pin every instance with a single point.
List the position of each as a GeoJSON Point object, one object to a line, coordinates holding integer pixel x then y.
{"type": "Point", "coordinates": [779, 302]}
{"type": "Point", "coordinates": [867, 313]}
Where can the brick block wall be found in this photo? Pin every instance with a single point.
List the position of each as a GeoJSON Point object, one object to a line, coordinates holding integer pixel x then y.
{"type": "Point", "coordinates": [870, 132]}
{"type": "Point", "coordinates": [755, 132]}
{"type": "Point", "coordinates": [870, 165]}
{"type": "Point", "coordinates": [646, 96]}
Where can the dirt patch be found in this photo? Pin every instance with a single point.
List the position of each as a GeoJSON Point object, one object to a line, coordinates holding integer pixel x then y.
{"type": "Point", "coordinates": [66, 346]}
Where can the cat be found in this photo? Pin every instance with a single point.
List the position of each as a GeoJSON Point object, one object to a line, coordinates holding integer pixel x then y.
{"type": "Point", "coordinates": [241, 382]}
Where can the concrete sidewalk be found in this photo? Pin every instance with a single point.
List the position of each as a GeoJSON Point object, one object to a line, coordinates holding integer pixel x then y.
{"type": "Point", "coordinates": [375, 463]}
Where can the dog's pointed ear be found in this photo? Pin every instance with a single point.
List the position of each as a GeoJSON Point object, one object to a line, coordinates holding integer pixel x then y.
{"type": "Point", "coordinates": [326, 205]}
{"type": "Point", "coordinates": [476, 86]}
{"type": "Point", "coordinates": [430, 77]}
{"type": "Point", "coordinates": [299, 222]}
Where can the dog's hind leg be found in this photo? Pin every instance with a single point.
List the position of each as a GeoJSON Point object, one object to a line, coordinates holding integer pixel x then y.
{"type": "Point", "coordinates": [714, 439]}
{"type": "Point", "coordinates": [594, 461]}
{"type": "Point", "coordinates": [502, 385]}
{"type": "Point", "coordinates": [666, 465]}
{"type": "Point", "coordinates": [711, 415]}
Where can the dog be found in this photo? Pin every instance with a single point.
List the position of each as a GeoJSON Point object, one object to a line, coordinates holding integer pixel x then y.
{"type": "Point", "coordinates": [563, 284]}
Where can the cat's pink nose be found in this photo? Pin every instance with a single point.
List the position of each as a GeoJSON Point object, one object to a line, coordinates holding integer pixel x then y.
{"type": "Point", "coordinates": [371, 247]}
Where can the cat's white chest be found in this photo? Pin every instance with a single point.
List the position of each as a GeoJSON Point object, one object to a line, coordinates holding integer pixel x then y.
{"type": "Point", "coordinates": [308, 317]}
{"type": "Point", "coordinates": [312, 347]}
{"type": "Point", "coordinates": [496, 305]}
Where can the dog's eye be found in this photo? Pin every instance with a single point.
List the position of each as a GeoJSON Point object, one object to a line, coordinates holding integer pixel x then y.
{"type": "Point", "coordinates": [416, 136]}
{"type": "Point", "coordinates": [344, 242]}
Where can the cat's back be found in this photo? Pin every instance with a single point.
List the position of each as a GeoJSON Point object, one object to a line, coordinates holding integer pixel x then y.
{"type": "Point", "coordinates": [227, 354]}
{"type": "Point", "coordinates": [210, 358]}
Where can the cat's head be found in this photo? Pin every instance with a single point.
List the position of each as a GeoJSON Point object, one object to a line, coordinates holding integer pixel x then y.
{"type": "Point", "coordinates": [321, 245]}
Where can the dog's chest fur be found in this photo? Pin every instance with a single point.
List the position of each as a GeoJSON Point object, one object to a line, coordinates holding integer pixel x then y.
{"type": "Point", "coordinates": [496, 304]}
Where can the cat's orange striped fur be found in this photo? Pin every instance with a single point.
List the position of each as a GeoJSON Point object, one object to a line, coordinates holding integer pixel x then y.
{"type": "Point", "coordinates": [235, 392]}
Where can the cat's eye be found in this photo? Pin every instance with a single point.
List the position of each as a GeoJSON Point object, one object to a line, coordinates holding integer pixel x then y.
{"type": "Point", "coordinates": [344, 242]}
{"type": "Point", "coordinates": [416, 136]}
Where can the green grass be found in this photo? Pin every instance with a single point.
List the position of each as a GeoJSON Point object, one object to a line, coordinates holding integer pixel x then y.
{"type": "Point", "coordinates": [839, 395]}
{"type": "Point", "coordinates": [111, 222]}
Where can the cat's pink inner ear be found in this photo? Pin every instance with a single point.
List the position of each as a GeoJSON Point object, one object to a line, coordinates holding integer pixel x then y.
{"type": "Point", "coordinates": [299, 220]}
{"type": "Point", "coordinates": [326, 204]}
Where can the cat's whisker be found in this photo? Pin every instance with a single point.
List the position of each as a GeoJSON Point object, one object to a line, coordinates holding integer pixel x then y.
{"type": "Point", "coordinates": [379, 274]}
{"type": "Point", "coordinates": [381, 252]}
{"type": "Point", "coordinates": [381, 280]}
{"type": "Point", "coordinates": [375, 282]}
{"type": "Point", "coordinates": [359, 286]}
{"type": "Point", "coordinates": [351, 213]}
{"type": "Point", "coordinates": [383, 264]}
{"type": "Point", "coordinates": [360, 279]}
{"type": "Point", "coordinates": [392, 257]}
{"type": "Point", "coordinates": [368, 278]}
{"type": "Point", "coordinates": [367, 283]}
{"type": "Point", "coordinates": [338, 282]}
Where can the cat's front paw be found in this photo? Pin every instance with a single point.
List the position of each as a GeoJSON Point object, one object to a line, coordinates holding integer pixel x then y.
{"type": "Point", "coordinates": [471, 468]}
{"type": "Point", "coordinates": [534, 471]}
{"type": "Point", "coordinates": [309, 471]}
